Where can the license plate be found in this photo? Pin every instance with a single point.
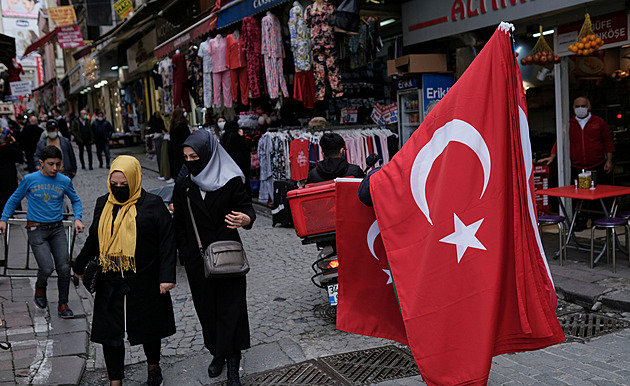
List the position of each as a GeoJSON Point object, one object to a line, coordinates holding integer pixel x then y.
{"type": "Point", "coordinates": [332, 293]}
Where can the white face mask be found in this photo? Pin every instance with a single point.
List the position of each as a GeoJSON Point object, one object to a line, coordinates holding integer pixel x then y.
{"type": "Point", "coordinates": [52, 134]}
{"type": "Point", "coordinates": [221, 125]}
{"type": "Point", "coordinates": [99, 118]}
{"type": "Point", "coordinates": [581, 112]}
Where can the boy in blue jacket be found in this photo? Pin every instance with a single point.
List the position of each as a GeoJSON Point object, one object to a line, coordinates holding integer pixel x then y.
{"type": "Point", "coordinates": [46, 234]}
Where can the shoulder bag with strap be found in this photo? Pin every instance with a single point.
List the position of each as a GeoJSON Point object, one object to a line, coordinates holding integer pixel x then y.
{"type": "Point", "coordinates": [222, 258]}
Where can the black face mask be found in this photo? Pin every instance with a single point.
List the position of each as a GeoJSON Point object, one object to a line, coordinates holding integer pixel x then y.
{"type": "Point", "coordinates": [121, 193]}
{"type": "Point", "coordinates": [194, 167]}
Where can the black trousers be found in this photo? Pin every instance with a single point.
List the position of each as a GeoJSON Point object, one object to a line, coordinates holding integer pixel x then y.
{"type": "Point", "coordinates": [88, 149]}
{"type": "Point", "coordinates": [102, 146]}
{"type": "Point", "coordinates": [115, 358]}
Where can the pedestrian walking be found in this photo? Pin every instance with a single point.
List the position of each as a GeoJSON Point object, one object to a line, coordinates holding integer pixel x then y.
{"type": "Point", "coordinates": [10, 154]}
{"type": "Point", "coordinates": [30, 136]}
{"type": "Point", "coordinates": [214, 188]}
{"type": "Point", "coordinates": [235, 145]}
{"type": "Point", "coordinates": [61, 122]}
{"type": "Point", "coordinates": [132, 237]}
{"type": "Point", "coordinates": [46, 234]}
{"type": "Point", "coordinates": [81, 130]}
{"type": "Point", "coordinates": [102, 134]}
{"type": "Point", "coordinates": [69, 164]}
{"type": "Point", "coordinates": [179, 131]}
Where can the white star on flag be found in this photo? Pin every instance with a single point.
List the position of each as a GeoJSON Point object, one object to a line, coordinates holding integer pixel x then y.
{"type": "Point", "coordinates": [464, 237]}
{"type": "Point", "coordinates": [389, 276]}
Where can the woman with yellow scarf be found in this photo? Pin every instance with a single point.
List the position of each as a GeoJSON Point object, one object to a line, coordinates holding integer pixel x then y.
{"type": "Point", "coordinates": [132, 237]}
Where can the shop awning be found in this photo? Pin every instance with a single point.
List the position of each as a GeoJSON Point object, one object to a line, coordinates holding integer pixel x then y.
{"type": "Point", "coordinates": [201, 27]}
{"type": "Point", "coordinates": [236, 10]}
{"type": "Point", "coordinates": [42, 41]}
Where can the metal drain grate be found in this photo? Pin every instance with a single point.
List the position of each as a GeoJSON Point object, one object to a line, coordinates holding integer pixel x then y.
{"type": "Point", "coordinates": [326, 312]}
{"type": "Point", "coordinates": [373, 365]}
{"type": "Point", "coordinates": [312, 373]}
{"type": "Point", "coordinates": [582, 326]}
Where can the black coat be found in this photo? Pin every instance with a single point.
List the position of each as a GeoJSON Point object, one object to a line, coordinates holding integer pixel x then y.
{"type": "Point", "coordinates": [178, 136]}
{"type": "Point", "coordinates": [331, 168]}
{"type": "Point", "coordinates": [10, 154]}
{"type": "Point", "coordinates": [236, 146]}
{"type": "Point", "coordinates": [220, 303]}
{"type": "Point", "coordinates": [149, 314]}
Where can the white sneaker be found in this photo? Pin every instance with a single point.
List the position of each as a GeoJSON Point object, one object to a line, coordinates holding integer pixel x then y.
{"type": "Point", "coordinates": [161, 178]}
{"type": "Point", "coordinates": [170, 181]}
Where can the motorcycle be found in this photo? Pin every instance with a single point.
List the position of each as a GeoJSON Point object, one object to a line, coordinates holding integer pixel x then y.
{"type": "Point", "coordinates": [326, 265]}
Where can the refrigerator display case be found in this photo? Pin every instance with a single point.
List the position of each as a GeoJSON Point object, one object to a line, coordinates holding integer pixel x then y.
{"type": "Point", "coordinates": [416, 97]}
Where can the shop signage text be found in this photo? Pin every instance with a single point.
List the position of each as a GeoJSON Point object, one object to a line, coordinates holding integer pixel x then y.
{"type": "Point", "coordinates": [405, 84]}
{"type": "Point", "coordinates": [613, 28]}
{"type": "Point", "coordinates": [425, 20]}
{"type": "Point", "coordinates": [123, 8]}
{"type": "Point", "coordinates": [70, 37]}
{"type": "Point", "coordinates": [434, 88]}
{"type": "Point", "coordinates": [62, 16]}
{"type": "Point", "coordinates": [259, 3]}
{"type": "Point", "coordinates": [22, 87]}
{"type": "Point", "coordinates": [245, 8]}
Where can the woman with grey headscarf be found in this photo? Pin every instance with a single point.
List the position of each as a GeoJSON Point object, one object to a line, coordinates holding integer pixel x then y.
{"type": "Point", "coordinates": [220, 205]}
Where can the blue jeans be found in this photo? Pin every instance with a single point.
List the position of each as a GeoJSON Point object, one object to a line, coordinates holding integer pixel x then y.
{"type": "Point", "coordinates": [50, 249]}
{"type": "Point", "coordinates": [102, 146]}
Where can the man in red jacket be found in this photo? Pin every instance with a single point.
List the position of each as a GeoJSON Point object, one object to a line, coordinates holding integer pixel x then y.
{"type": "Point", "coordinates": [591, 145]}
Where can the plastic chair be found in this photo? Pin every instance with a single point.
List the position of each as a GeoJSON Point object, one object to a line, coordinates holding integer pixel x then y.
{"type": "Point", "coordinates": [609, 223]}
{"type": "Point", "coordinates": [559, 222]}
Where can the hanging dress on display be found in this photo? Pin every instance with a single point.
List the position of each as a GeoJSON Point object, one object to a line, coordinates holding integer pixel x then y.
{"type": "Point", "coordinates": [180, 82]}
{"type": "Point", "coordinates": [304, 83]}
{"type": "Point", "coordinates": [237, 64]}
{"type": "Point", "coordinates": [252, 44]}
{"type": "Point", "coordinates": [206, 58]}
{"type": "Point", "coordinates": [220, 73]}
{"type": "Point", "coordinates": [320, 21]}
{"type": "Point", "coordinates": [273, 53]}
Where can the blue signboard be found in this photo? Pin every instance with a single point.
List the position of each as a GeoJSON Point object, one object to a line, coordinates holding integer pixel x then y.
{"type": "Point", "coordinates": [434, 87]}
{"type": "Point", "coordinates": [405, 84]}
{"type": "Point", "coordinates": [244, 8]}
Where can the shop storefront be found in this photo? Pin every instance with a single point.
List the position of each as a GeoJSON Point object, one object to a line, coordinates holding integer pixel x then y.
{"type": "Point", "coordinates": [464, 26]}
{"type": "Point", "coordinates": [276, 75]}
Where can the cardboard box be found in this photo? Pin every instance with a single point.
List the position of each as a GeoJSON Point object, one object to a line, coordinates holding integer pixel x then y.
{"type": "Point", "coordinates": [417, 64]}
{"type": "Point", "coordinates": [391, 67]}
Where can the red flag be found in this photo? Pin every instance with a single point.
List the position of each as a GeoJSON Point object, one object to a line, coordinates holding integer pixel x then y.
{"type": "Point", "coordinates": [454, 210]}
{"type": "Point", "coordinates": [367, 303]}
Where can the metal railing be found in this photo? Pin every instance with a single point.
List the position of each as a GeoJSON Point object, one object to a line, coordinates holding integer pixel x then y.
{"type": "Point", "coordinates": [68, 221]}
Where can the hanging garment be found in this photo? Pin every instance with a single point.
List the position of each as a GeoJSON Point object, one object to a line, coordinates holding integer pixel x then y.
{"type": "Point", "coordinates": [265, 192]}
{"type": "Point", "coordinates": [235, 61]}
{"type": "Point", "coordinates": [346, 16]}
{"type": "Point", "coordinates": [195, 75]}
{"type": "Point", "coordinates": [324, 54]}
{"type": "Point", "coordinates": [220, 73]}
{"type": "Point", "coordinates": [180, 82]}
{"type": "Point", "coordinates": [299, 159]}
{"type": "Point", "coordinates": [273, 53]}
{"type": "Point", "coordinates": [205, 56]}
{"type": "Point", "coordinates": [251, 36]}
{"type": "Point", "coordinates": [323, 60]}
{"type": "Point", "coordinates": [300, 39]}
{"type": "Point", "coordinates": [304, 88]}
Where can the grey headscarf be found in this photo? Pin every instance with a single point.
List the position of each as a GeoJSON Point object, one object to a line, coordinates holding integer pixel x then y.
{"type": "Point", "coordinates": [219, 166]}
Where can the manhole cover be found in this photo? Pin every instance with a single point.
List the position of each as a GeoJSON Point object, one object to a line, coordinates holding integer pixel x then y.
{"type": "Point", "coordinates": [326, 312]}
{"type": "Point", "coordinates": [309, 373]}
{"type": "Point", "coordinates": [582, 325]}
{"type": "Point", "coordinates": [373, 365]}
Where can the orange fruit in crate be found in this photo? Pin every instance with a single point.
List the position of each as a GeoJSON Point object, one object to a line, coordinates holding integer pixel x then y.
{"type": "Point", "coordinates": [572, 48]}
{"type": "Point", "coordinates": [599, 41]}
{"type": "Point", "coordinates": [580, 52]}
{"type": "Point", "coordinates": [592, 37]}
{"type": "Point", "coordinates": [587, 45]}
{"type": "Point", "coordinates": [580, 46]}
{"type": "Point", "coordinates": [585, 39]}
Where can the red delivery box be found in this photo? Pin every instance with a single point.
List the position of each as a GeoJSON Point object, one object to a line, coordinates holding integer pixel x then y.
{"type": "Point", "coordinates": [313, 208]}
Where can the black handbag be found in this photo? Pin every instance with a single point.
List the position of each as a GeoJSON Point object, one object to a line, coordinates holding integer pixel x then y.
{"type": "Point", "coordinates": [222, 258]}
{"type": "Point", "coordinates": [90, 275]}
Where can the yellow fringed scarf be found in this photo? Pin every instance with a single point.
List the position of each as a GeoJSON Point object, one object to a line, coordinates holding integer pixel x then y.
{"type": "Point", "coordinates": [118, 248]}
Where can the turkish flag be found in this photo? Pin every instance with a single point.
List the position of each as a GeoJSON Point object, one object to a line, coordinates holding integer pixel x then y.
{"type": "Point", "coordinates": [456, 213]}
{"type": "Point", "coordinates": [367, 303]}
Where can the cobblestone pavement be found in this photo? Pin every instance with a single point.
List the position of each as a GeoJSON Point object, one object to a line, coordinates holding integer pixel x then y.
{"type": "Point", "coordinates": [284, 327]}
